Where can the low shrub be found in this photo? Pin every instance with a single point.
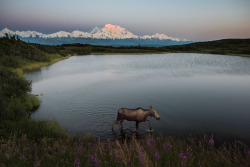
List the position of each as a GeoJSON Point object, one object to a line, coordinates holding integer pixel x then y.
{"type": "Point", "coordinates": [34, 129]}
{"type": "Point", "coordinates": [12, 61]}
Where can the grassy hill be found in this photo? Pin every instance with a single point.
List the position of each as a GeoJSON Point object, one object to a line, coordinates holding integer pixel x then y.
{"type": "Point", "coordinates": [237, 47]}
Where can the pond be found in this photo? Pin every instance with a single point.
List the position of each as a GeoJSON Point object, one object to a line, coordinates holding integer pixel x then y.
{"type": "Point", "coordinates": [193, 93]}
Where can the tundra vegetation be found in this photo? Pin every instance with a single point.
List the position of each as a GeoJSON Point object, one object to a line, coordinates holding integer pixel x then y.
{"type": "Point", "coordinates": [28, 142]}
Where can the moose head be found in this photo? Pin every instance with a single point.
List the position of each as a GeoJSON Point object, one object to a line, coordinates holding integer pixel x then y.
{"type": "Point", "coordinates": [154, 113]}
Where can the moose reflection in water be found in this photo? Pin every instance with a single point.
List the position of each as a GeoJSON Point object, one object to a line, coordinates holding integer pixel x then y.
{"type": "Point", "coordinates": [138, 115]}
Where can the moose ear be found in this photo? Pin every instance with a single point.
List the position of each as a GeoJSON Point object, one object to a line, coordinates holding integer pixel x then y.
{"type": "Point", "coordinates": [151, 107]}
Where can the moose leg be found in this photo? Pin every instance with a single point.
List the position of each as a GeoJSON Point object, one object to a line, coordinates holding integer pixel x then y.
{"type": "Point", "coordinates": [121, 123]}
{"type": "Point", "coordinates": [137, 125]}
{"type": "Point", "coordinates": [149, 124]}
{"type": "Point", "coordinates": [115, 122]}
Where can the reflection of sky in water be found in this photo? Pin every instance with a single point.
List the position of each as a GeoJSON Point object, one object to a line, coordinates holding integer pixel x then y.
{"type": "Point", "coordinates": [192, 92]}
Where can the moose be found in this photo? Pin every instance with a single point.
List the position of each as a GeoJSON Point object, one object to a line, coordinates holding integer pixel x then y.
{"type": "Point", "coordinates": [138, 115]}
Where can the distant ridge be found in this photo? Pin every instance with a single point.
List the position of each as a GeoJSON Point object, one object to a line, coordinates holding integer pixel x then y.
{"type": "Point", "coordinates": [113, 35]}
{"type": "Point", "coordinates": [236, 47]}
{"type": "Point", "coordinates": [109, 31]}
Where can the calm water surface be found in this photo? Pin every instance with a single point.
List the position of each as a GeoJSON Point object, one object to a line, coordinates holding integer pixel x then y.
{"type": "Point", "coordinates": [193, 93]}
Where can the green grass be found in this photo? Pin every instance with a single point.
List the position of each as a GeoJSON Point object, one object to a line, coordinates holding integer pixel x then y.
{"type": "Point", "coordinates": [149, 151]}
{"type": "Point", "coordinates": [20, 106]}
{"type": "Point", "coordinates": [33, 65]}
{"type": "Point", "coordinates": [31, 102]}
{"type": "Point", "coordinates": [29, 65]}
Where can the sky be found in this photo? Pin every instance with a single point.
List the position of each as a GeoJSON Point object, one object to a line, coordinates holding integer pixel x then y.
{"type": "Point", "coordinates": [197, 20]}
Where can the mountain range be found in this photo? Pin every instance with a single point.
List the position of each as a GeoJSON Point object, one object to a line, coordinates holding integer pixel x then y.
{"type": "Point", "coordinates": [107, 35]}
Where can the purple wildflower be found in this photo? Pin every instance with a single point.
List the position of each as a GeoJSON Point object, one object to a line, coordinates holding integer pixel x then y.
{"type": "Point", "coordinates": [117, 152]}
{"type": "Point", "coordinates": [150, 141]}
{"type": "Point", "coordinates": [189, 149]}
{"type": "Point", "coordinates": [77, 162]}
{"type": "Point", "coordinates": [94, 160]}
{"type": "Point", "coordinates": [22, 157]}
{"type": "Point", "coordinates": [36, 163]}
{"type": "Point", "coordinates": [157, 155]}
{"type": "Point", "coordinates": [79, 150]}
{"type": "Point", "coordinates": [141, 158]}
{"type": "Point", "coordinates": [167, 146]}
{"type": "Point", "coordinates": [27, 149]}
{"type": "Point", "coordinates": [199, 164]}
{"type": "Point", "coordinates": [248, 152]}
{"type": "Point", "coordinates": [109, 147]}
{"type": "Point", "coordinates": [98, 138]}
{"type": "Point", "coordinates": [211, 141]}
{"type": "Point", "coordinates": [189, 152]}
{"type": "Point", "coordinates": [182, 155]}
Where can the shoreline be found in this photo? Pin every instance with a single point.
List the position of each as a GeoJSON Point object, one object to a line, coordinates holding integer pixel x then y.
{"type": "Point", "coordinates": [32, 99]}
{"type": "Point", "coordinates": [132, 53]}
{"type": "Point", "coordinates": [37, 65]}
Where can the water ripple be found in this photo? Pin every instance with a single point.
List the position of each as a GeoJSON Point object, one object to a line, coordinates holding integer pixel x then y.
{"type": "Point", "coordinates": [191, 92]}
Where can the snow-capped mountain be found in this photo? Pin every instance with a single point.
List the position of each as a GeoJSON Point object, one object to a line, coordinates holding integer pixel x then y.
{"type": "Point", "coordinates": [59, 34]}
{"type": "Point", "coordinates": [6, 31]}
{"type": "Point", "coordinates": [109, 31]}
{"type": "Point", "coordinates": [80, 34]}
{"type": "Point", "coordinates": [116, 32]}
{"type": "Point", "coordinates": [109, 35]}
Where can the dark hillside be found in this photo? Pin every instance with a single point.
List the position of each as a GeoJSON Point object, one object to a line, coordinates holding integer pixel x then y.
{"type": "Point", "coordinates": [224, 46]}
